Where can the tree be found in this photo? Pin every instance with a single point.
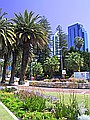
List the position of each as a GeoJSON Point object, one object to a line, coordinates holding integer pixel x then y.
{"type": "Point", "coordinates": [37, 69]}
{"type": "Point", "coordinates": [30, 32]}
{"type": "Point", "coordinates": [62, 37]}
{"type": "Point", "coordinates": [78, 42]}
{"type": "Point", "coordinates": [45, 52]}
{"type": "Point", "coordinates": [86, 64]}
{"type": "Point", "coordinates": [74, 61]}
{"type": "Point", "coordinates": [15, 54]}
{"type": "Point", "coordinates": [7, 39]}
{"type": "Point", "coordinates": [44, 22]}
{"type": "Point", "coordinates": [62, 44]}
{"type": "Point", "coordinates": [72, 49]}
{"type": "Point", "coordinates": [51, 65]}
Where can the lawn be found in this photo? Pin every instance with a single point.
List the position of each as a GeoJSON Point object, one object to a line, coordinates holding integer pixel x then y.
{"type": "Point", "coordinates": [4, 115]}
{"type": "Point", "coordinates": [66, 97]}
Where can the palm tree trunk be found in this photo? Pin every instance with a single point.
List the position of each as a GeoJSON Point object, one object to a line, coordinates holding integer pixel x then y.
{"type": "Point", "coordinates": [13, 68]}
{"type": "Point", "coordinates": [24, 62]}
{"type": "Point", "coordinates": [4, 68]}
{"type": "Point", "coordinates": [79, 69]}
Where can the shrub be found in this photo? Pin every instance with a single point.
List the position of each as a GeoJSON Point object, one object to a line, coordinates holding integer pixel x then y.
{"type": "Point", "coordinates": [31, 101]}
{"type": "Point", "coordinates": [69, 111]}
{"type": "Point", "coordinates": [39, 116]}
{"type": "Point", "coordinates": [9, 89]}
{"type": "Point", "coordinates": [21, 102]}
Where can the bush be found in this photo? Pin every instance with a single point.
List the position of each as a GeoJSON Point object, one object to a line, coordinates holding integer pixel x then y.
{"type": "Point", "coordinates": [39, 116]}
{"type": "Point", "coordinates": [70, 111]}
{"type": "Point", "coordinates": [31, 101]}
{"type": "Point", "coordinates": [9, 89]}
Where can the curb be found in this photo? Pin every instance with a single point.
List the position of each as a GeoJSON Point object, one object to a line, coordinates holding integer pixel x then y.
{"type": "Point", "coordinates": [14, 117]}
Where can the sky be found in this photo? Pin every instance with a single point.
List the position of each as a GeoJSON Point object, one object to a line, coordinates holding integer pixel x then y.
{"type": "Point", "coordinates": [58, 12]}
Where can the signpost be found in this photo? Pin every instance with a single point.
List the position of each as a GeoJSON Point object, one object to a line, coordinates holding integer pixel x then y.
{"type": "Point", "coordinates": [63, 72]}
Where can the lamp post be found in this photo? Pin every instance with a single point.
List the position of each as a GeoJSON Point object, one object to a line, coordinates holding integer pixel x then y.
{"type": "Point", "coordinates": [61, 60]}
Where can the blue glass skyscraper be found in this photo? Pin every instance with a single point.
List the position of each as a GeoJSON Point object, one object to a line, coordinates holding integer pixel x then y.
{"type": "Point", "coordinates": [77, 30]}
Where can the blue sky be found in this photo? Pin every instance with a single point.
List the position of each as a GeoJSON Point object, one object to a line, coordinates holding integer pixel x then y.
{"type": "Point", "coordinates": [58, 12]}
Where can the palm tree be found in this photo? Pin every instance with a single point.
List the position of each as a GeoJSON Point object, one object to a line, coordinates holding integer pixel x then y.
{"type": "Point", "coordinates": [15, 54]}
{"type": "Point", "coordinates": [7, 39]}
{"type": "Point", "coordinates": [78, 42]}
{"type": "Point", "coordinates": [30, 32]}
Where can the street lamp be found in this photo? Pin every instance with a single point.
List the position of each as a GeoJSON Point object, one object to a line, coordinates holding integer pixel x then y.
{"type": "Point", "coordinates": [62, 59]}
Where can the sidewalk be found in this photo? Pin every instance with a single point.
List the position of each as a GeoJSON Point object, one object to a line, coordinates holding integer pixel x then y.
{"type": "Point", "coordinates": [5, 113]}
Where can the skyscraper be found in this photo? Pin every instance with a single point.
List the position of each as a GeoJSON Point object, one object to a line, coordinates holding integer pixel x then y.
{"type": "Point", "coordinates": [54, 45]}
{"type": "Point", "coordinates": [77, 30]}
{"type": "Point", "coordinates": [58, 42]}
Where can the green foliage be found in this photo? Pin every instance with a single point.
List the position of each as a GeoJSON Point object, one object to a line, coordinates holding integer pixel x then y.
{"type": "Point", "coordinates": [78, 42]}
{"type": "Point", "coordinates": [39, 116]}
{"type": "Point", "coordinates": [74, 61]}
{"type": "Point", "coordinates": [62, 37]}
{"type": "Point", "coordinates": [86, 64]}
{"type": "Point", "coordinates": [29, 32]}
{"type": "Point", "coordinates": [31, 101]}
{"type": "Point", "coordinates": [21, 102]}
{"type": "Point", "coordinates": [69, 111]}
{"type": "Point", "coordinates": [32, 106]}
{"type": "Point", "coordinates": [2, 63]}
{"type": "Point", "coordinates": [51, 65]}
{"type": "Point", "coordinates": [7, 39]}
{"type": "Point", "coordinates": [11, 89]}
{"type": "Point", "coordinates": [37, 68]}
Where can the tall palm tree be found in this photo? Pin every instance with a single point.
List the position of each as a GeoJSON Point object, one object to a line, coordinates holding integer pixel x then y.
{"type": "Point", "coordinates": [78, 42]}
{"type": "Point", "coordinates": [15, 54]}
{"type": "Point", "coordinates": [30, 32]}
{"type": "Point", "coordinates": [6, 39]}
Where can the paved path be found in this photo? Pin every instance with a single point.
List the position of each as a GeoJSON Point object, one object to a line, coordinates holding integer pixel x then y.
{"type": "Point", "coordinates": [80, 91]}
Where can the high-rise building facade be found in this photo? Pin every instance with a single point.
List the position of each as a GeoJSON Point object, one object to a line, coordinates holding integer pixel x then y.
{"type": "Point", "coordinates": [54, 45]}
{"type": "Point", "coordinates": [77, 30]}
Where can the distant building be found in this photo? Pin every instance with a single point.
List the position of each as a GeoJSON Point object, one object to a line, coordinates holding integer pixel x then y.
{"type": "Point", "coordinates": [55, 44]}
{"type": "Point", "coordinates": [77, 30]}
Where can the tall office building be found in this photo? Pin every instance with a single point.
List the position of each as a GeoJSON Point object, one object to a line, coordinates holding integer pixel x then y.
{"type": "Point", "coordinates": [77, 30]}
{"type": "Point", "coordinates": [55, 43]}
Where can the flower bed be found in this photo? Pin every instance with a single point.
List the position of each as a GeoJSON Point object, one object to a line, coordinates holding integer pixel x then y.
{"type": "Point", "coordinates": [37, 106]}
{"type": "Point", "coordinates": [59, 84]}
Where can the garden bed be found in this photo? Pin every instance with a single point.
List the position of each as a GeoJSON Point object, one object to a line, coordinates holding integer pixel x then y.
{"type": "Point", "coordinates": [59, 84]}
{"type": "Point", "coordinates": [38, 106]}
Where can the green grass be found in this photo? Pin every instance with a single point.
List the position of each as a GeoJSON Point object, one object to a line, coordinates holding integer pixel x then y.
{"type": "Point", "coordinates": [66, 97]}
{"type": "Point", "coordinates": [85, 98]}
{"type": "Point", "coordinates": [4, 115]}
